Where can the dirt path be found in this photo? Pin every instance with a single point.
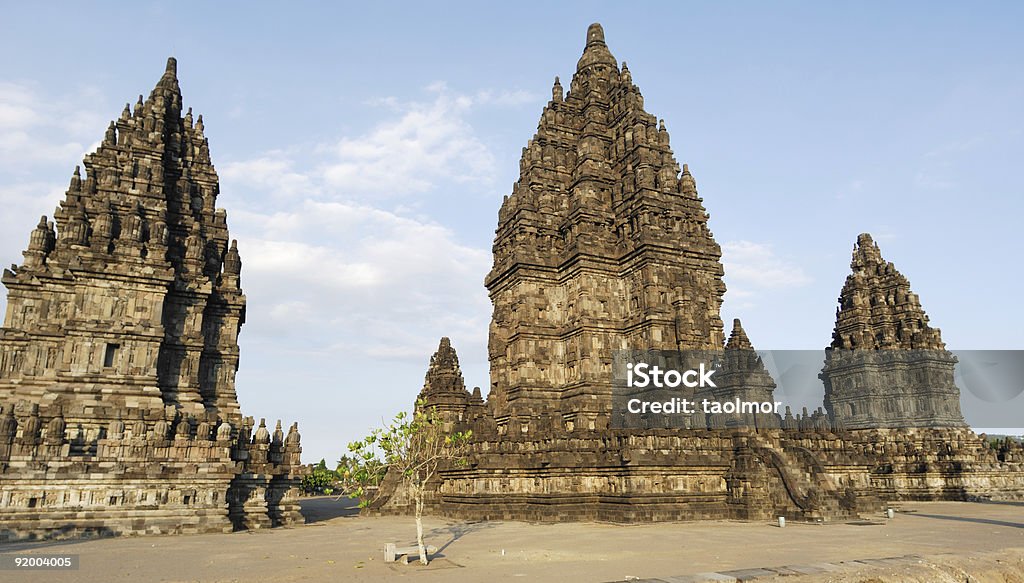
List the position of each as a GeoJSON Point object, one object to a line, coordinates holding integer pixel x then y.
{"type": "Point", "coordinates": [338, 545]}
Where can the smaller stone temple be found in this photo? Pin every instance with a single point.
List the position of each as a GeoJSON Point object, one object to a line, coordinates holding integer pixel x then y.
{"type": "Point", "coordinates": [886, 366]}
{"type": "Point", "coordinates": [118, 353]}
{"type": "Point", "coordinates": [445, 390]}
{"type": "Point", "coordinates": [743, 376]}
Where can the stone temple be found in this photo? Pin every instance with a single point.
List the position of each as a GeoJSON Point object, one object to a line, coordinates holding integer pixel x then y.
{"type": "Point", "coordinates": [886, 367]}
{"type": "Point", "coordinates": [604, 245]}
{"type": "Point", "coordinates": [119, 351]}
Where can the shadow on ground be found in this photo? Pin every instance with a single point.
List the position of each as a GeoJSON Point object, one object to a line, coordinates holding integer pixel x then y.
{"type": "Point", "coordinates": [457, 531]}
{"type": "Point", "coordinates": [969, 519]}
{"type": "Point", "coordinates": [324, 508]}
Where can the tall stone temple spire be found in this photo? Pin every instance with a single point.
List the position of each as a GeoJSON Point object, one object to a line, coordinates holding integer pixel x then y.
{"type": "Point", "coordinates": [119, 350]}
{"type": "Point", "coordinates": [131, 295]}
{"type": "Point", "coordinates": [603, 244]}
{"type": "Point", "coordinates": [886, 367]}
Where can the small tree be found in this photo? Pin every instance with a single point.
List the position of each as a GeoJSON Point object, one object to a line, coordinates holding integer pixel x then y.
{"type": "Point", "coordinates": [360, 474]}
{"type": "Point", "coordinates": [414, 448]}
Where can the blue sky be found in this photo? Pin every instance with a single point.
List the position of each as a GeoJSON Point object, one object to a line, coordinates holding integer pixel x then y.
{"type": "Point", "coordinates": [364, 150]}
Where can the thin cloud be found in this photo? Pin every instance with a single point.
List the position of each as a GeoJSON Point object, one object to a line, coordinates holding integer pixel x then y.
{"type": "Point", "coordinates": [425, 143]}
{"type": "Point", "coordinates": [274, 172]}
{"type": "Point", "coordinates": [36, 129]}
{"type": "Point", "coordinates": [364, 272]}
{"type": "Point", "coordinates": [751, 269]}
{"type": "Point", "coordinates": [429, 143]}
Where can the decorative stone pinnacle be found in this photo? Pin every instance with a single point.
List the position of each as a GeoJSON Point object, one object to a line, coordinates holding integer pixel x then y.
{"type": "Point", "coordinates": [596, 51]}
{"type": "Point", "coordinates": [877, 309]}
{"type": "Point", "coordinates": [444, 374]}
{"type": "Point", "coordinates": [738, 338]}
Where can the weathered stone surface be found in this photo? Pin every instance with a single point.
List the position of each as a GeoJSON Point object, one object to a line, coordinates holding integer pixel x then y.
{"type": "Point", "coordinates": [604, 245]}
{"type": "Point", "coordinates": [744, 377]}
{"type": "Point", "coordinates": [445, 390]}
{"type": "Point", "coordinates": [120, 347]}
{"type": "Point", "coordinates": [601, 245]}
{"type": "Point", "coordinates": [886, 366]}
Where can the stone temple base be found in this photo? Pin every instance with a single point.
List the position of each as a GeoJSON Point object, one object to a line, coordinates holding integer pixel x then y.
{"type": "Point", "coordinates": [195, 478]}
{"type": "Point", "coordinates": [666, 475]}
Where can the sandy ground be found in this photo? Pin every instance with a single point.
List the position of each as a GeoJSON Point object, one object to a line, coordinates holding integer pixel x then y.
{"type": "Point", "coordinates": [338, 545]}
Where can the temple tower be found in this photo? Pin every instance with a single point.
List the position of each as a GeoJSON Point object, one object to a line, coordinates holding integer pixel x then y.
{"type": "Point", "coordinates": [603, 244]}
{"type": "Point", "coordinates": [445, 390]}
{"type": "Point", "coordinates": [130, 298]}
{"type": "Point", "coordinates": [743, 376]}
{"type": "Point", "coordinates": [886, 367]}
{"type": "Point", "coordinates": [120, 346]}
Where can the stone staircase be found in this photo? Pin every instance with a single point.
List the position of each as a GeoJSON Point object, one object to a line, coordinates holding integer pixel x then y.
{"type": "Point", "coordinates": [812, 494]}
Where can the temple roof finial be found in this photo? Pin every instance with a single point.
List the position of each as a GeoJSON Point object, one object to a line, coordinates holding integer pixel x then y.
{"type": "Point", "coordinates": [556, 91]}
{"type": "Point", "coordinates": [596, 52]}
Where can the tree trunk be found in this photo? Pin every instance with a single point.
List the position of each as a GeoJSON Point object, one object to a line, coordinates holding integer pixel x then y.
{"type": "Point", "coordinates": [418, 493]}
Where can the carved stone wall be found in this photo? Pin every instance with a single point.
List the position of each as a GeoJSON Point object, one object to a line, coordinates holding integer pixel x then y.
{"type": "Point", "coordinates": [886, 366]}
{"type": "Point", "coordinates": [601, 245]}
{"type": "Point", "coordinates": [119, 348]}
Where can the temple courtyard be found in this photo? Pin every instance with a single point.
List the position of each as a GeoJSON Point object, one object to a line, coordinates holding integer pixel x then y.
{"type": "Point", "coordinates": [925, 541]}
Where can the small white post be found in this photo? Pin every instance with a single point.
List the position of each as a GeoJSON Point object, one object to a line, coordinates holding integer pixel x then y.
{"type": "Point", "coordinates": [890, 513]}
{"type": "Point", "coordinates": [782, 522]}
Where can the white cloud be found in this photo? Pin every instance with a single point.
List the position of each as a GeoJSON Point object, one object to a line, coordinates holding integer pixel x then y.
{"type": "Point", "coordinates": [16, 102]}
{"type": "Point", "coordinates": [328, 268]}
{"type": "Point", "coordinates": [425, 144]}
{"type": "Point", "coordinates": [273, 172]}
{"type": "Point", "coordinates": [35, 129]}
{"type": "Point", "coordinates": [23, 204]}
{"type": "Point", "coordinates": [346, 275]}
{"type": "Point", "coordinates": [752, 269]}
{"type": "Point", "coordinates": [429, 143]}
